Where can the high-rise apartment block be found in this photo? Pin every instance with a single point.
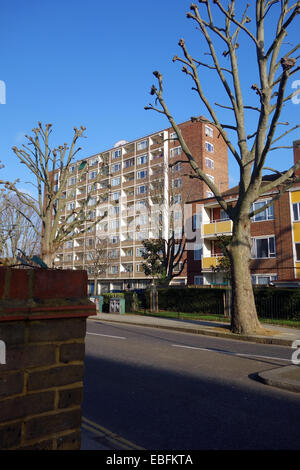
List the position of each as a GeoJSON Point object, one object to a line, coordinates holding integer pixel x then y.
{"type": "Point", "coordinates": [140, 186]}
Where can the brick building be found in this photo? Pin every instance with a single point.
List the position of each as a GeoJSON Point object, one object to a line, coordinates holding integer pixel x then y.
{"type": "Point", "coordinates": [142, 187]}
{"type": "Point", "coordinates": [275, 232]}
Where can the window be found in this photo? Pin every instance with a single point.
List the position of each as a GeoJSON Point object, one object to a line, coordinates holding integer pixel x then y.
{"type": "Point", "coordinates": [92, 201]}
{"type": "Point", "coordinates": [177, 198]}
{"type": "Point", "coordinates": [92, 175]}
{"type": "Point", "coordinates": [114, 239]}
{"type": "Point", "coordinates": [267, 214]}
{"type": "Point", "coordinates": [140, 251]}
{"type": "Point", "coordinates": [141, 220]}
{"type": "Point", "coordinates": [297, 249]}
{"type": "Point", "coordinates": [114, 211]}
{"type": "Point", "coordinates": [91, 215]}
{"type": "Point", "coordinates": [115, 181]}
{"type": "Point", "coordinates": [209, 194]}
{"type": "Point", "coordinates": [223, 215]}
{"type": "Point", "coordinates": [209, 147]}
{"type": "Point", "coordinates": [69, 257]}
{"type": "Point", "coordinates": [116, 195]}
{"type": "Point", "coordinates": [176, 167]}
{"type": "Point", "coordinates": [115, 167]}
{"type": "Point", "coordinates": [142, 145]}
{"type": "Point", "coordinates": [173, 136]}
{"type": "Point", "coordinates": [198, 280]}
{"type": "Point", "coordinates": [212, 178]}
{"type": "Point", "coordinates": [141, 236]}
{"type": "Point", "coordinates": [116, 153]}
{"type": "Point", "coordinates": [114, 224]}
{"type": "Point", "coordinates": [72, 169]}
{"type": "Point", "coordinates": [93, 161]}
{"type": "Point", "coordinates": [178, 267]}
{"type": "Point", "coordinates": [296, 211]}
{"type": "Point", "coordinates": [113, 269]}
{"type": "Point", "coordinates": [263, 247]}
{"type": "Point", "coordinates": [197, 252]}
{"type": "Point", "coordinates": [71, 206]}
{"type": "Point", "coordinates": [69, 244]}
{"type": "Point", "coordinates": [209, 163]}
{"type": "Point", "coordinates": [72, 181]}
{"type": "Point", "coordinates": [209, 131]}
{"type": "Point", "coordinates": [263, 279]}
{"type": "Point", "coordinates": [128, 268]}
{"type": "Point", "coordinates": [177, 183]}
{"type": "Point", "coordinates": [142, 189]}
{"type": "Point", "coordinates": [142, 159]}
{"type": "Point", "coordinates": [128, 163]}
{"type": "Point", "coordinates": [175, 151]}
{"type": "Point", "coordinates": [114, 253]}
{"type": "Point", "coordinates": [142, 174]}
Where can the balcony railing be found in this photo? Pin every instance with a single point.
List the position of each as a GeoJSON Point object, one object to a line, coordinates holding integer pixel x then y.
{"type": "Point", "coordinates": [217, 227]}
{"type": "Point", "coordinates": [210, 262]}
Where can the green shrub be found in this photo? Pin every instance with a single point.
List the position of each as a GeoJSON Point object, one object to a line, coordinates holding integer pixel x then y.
{"type": "Point", "coordinates": [189, 300]}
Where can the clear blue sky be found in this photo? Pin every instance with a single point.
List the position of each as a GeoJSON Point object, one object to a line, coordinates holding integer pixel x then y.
{"type": "Point", "coordinates": [91, 63]}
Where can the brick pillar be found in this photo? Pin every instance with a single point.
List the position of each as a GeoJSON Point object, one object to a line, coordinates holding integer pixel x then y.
{"type": "Point", "coordinates": [42, 335]}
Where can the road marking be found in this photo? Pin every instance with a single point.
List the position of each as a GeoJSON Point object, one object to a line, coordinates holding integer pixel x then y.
{"type": "Point", "coordinates": [231, 353]}
{"type": "Point", "coordinates": [107, 336]}
{"type": "Point", "coordinates": [109, 436]}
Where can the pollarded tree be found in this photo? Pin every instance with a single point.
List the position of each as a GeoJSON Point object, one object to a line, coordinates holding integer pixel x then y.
{"type": "Point", "coordinates": [51, 170]}
{"type": "Point", "coordinates": [274, 68]}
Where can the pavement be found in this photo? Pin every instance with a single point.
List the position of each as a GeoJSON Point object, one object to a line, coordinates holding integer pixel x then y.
{"type": "Point", "coordinates": [94, 437]}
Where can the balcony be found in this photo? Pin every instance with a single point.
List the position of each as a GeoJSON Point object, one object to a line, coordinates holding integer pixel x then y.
{"type": "Point", "coordinates": [218, 227]}
{"type": "Point", "coordinates": [210, 262]}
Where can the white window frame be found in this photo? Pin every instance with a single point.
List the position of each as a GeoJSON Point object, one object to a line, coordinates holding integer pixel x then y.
{"type": "Point", "coordinates": [142, 159]}
{"type": "Point", "coordinates": [115, 181]}
{"type": "Point", "coordinates": [142, 174]}
{"type": "Point", "coordinates": [144, 191]}
{"type": "Point", "coordinates": [177, 183]}
{"type": "Point", "coordinates": [209, 163]}
{"type": "Point", "coordinates": [268, 212]}
{"type": "Point", "coordinates": [116, 154]}
{"type": "Point", "coordinates": [116, 167]}
{"type": "Point", "coordinates": [114, 269]}
{"type": "Point", "coordinates": [296, 205]}
{"type": "Point", "coordinates": [176, 151]}
{"type": "Point", "coordinates": [271, 254]}
{"type": "Point", "coordinates": [272, 277]}
{"type": "Point", "coordinates": [143, 144]}
{"type": "Point", "coordinates": [209, 147]}
{"type": "Point", "coordinates": [115, 196]}
{"type": "Point", "coordinates": [209, 131]}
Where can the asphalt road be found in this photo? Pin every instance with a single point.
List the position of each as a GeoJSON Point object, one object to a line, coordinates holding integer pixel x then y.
{"type": "Point", "coordinates": [166, 390]}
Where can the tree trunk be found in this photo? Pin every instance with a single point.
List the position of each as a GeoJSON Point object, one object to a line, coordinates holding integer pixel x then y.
{"type": "Point", "coordinates": [244, 318]}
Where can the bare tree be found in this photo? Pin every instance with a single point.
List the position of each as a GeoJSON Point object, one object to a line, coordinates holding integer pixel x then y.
{"type": "Point", "coordinates": [273, 70]}
{"type": "Point", "coordinates": [165, 255]}
{"type": "Point", "coordinates": [17, 233]}
{"type": "Point", "coordinates": [98, 260]}
{"type": "Point", "coordinates": [51, 170]}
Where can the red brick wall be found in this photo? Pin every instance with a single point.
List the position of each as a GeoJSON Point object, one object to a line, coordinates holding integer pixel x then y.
{"type": "Point", "coordinates": [43, 324]}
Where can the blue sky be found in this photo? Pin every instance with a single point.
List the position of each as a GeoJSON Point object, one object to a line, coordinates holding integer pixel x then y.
{"type": "Point", "coordinates": [91, 63]}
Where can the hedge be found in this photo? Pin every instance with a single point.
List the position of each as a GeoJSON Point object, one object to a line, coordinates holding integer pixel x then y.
{"type": "Point", "coordinates": [190, 300]}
